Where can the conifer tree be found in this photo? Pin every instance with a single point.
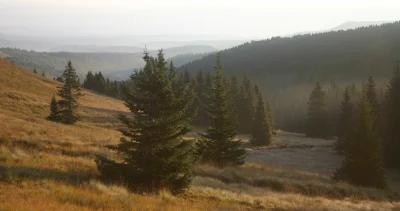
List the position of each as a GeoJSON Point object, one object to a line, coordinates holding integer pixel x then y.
{"type": "Point", "coordinates": [372, 98]}
{"type": "Point", "coordinates": [155, 156]}
{"type": "Point", "coordinates": [89, 81]}
{"type": "Point", "coordinates": [186, 76]}
{"type": "Point", "coordinates": [344, 122]}
{"type": "Point", "coordinates": [246, 113]}
{"type": "Point", "coordinates": [363, 163]}
{"type": "Point", "coordinates": [391, 123]}
{"type": "Point", "coordinates": [218, 145]}
{"type": "Point", "coordinates": [317, 116]}
{"type": "Point", "coordinates": [69, 93]}
{"type": "Point", "coordinates": [235, 101]}
{"type": "Point", "coordinates": [261, 128]}
{"type": "Point", "coordinates": [54, 115]}
{"type": "Point", "coordinates": [270, 117]}
{"type": "Point", "coordinates": [202, 89]}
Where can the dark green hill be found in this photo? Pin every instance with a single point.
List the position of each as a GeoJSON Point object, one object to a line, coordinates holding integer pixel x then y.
{"type": "Point", "coordinates": [341, 55]}
{"type": "Point", "coordinates": [287, 68]}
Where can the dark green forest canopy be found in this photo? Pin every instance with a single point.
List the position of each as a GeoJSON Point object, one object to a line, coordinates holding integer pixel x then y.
{"type": "Point", "coordinates": [286, 69]}
{"type": "Point", "coordinates": [339, 56]}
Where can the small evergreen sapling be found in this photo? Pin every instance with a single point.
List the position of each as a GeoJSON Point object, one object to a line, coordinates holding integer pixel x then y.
{"type": "Point", "coordinates": [54, 115]}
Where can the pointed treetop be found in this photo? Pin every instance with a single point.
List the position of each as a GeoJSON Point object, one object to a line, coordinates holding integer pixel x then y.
{"type": "Point", "coordinates": [218, 65]}
{"type": "Point", "coordinates": [146, 56]}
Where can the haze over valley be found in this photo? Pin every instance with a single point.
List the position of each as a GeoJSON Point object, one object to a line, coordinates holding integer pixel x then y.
{"type": "Point", "coordinates": [199, 105]}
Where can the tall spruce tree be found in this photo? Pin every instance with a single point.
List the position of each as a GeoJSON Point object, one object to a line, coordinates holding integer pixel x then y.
{"type": "Point", "coordinates": [54, 114]}
{"type": "Point", "coordinates": [69, 93]}
{"type": "Point", "coordinates": [155, 156]}
{"type": "Point", "coordinates": [317, 116]}
{"type": "Point", "coordinates": [246, 112]}
{"type": "Point", "coordinates": [235, 101]}
{"type": "Point", "coordinates": [202, 90]}
{"type": "Point", "coordinates": [89, 81]}
{"type": "Point", "coordinates": [270, 117]}
{"type": "Point", "coordinates": [371, 96]}
{"type": "Point", "coordinates": [345, 121]}
{"type": "Point", "coordinates": [391, 123]}
{"type": "Point", "coordinates": [218, 145]}
{"type": "Point", "coordinates": [261, 128]}
{"type": "Point", "coordinates": [362, 164]}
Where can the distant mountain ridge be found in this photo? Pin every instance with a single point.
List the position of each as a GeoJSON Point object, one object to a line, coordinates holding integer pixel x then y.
{"type": "Point", "coordinates": [357, 24]}
{"type": "Point", "coordinates": [96, 49]}
{"type": "Point", "coordinates": [116, 65]}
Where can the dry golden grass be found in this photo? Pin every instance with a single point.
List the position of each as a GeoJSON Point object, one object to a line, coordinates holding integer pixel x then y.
{"type": "Point", "coordinates": [50, 166]}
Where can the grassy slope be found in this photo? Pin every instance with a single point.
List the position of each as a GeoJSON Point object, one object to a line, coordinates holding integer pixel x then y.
{"type": "Point", "coordinates": [50, 166]}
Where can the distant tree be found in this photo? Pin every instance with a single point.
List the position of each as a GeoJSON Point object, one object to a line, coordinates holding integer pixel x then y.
{"type": "Point", "coordinates": [43, 74]}
{"type": "Point", "coordinates": [246, 112]}
{"type": "Point", "coordinates": [372, 97]}
{"type": "Point", "coordinates": [186, 76]}
{"type": "Point", "coordinates": [270, 118]}
{"type": "Point", "coordinates": [201, 90]}
{"type": "Point", "coordinates": [235, 101]}
{"type": "Point", "coordinates": [54, 113]}
{"type": "Point", "coordinates": [34, 71]}
{"type": "Point", "coordinates": [89, 82]}
{"type": "Point", "coordinates": [69, 93]}
{"type": "Point", "coordinates": [317, 116]}
{"type": "Point", "coordinates": [345, 121]}
{"type": "Point", "coordinates": [362, 164]}
{"type": "Point", "coordinates": [100, 82]}
{"type": "Point", "coordinates": [261, 128]}
{"type": "Point", "coordinates": [218, 145]}
{"type": "Point", "coordinates": [155, 156]}
{"type": "Point", "coordinates": [391, 122]}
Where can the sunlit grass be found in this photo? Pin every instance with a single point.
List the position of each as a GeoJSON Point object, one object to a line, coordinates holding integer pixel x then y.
{"type": "Point", "coordinates": [50, 166]}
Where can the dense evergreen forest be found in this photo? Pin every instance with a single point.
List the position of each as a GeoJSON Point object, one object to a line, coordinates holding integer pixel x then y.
{"type": "Point", "coordinates": [245, 100]}
{"type": "Point", "coordinates": [366, 130]}
{"type": "Point", "coordinates": [286, 68]}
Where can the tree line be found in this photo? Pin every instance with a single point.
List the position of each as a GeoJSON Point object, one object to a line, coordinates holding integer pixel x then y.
{"type": "Point", "coordinates": [368, 130]}
{"type": "Point", "coordinates": [249, 108]}
{"type": "Point", "coordinates": [284, 67]}
{"type": "Point", "coordinates": [97, 82]}
{"type": "Point", "coordinates": [164, 105]}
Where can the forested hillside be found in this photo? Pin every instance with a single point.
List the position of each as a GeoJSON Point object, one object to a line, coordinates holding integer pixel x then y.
{"type": "Point", "coordinates": [287, 68]}
{"type": "Point", "coordinates": [326, 56]}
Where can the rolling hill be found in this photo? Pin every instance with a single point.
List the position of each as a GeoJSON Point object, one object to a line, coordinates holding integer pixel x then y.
{"type": "Point", "coordinates": [341, 55]}
{"type": "Point", "coordinates": [120, 63]}
{"type": "Point", "coordinates": [50, 166]}
{"type": "Point", "coordinates": [286, 68]}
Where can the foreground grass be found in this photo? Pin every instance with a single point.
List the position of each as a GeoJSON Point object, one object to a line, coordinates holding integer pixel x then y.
{"type": "Point", "coordinates": [253, 177]}
{"type": "Point", "coordinates": [50, 166]}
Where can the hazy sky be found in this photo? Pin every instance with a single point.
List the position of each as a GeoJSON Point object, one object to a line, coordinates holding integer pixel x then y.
{"type": "Point", "coordinates": [207, 19]}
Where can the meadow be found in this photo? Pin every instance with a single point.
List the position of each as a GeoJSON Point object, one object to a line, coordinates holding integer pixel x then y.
{"type": "Point", "coordinates": [51, 166]}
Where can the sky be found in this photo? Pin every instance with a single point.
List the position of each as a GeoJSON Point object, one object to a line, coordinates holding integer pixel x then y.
{"type": "Point", "coordinates": [187, 19]}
